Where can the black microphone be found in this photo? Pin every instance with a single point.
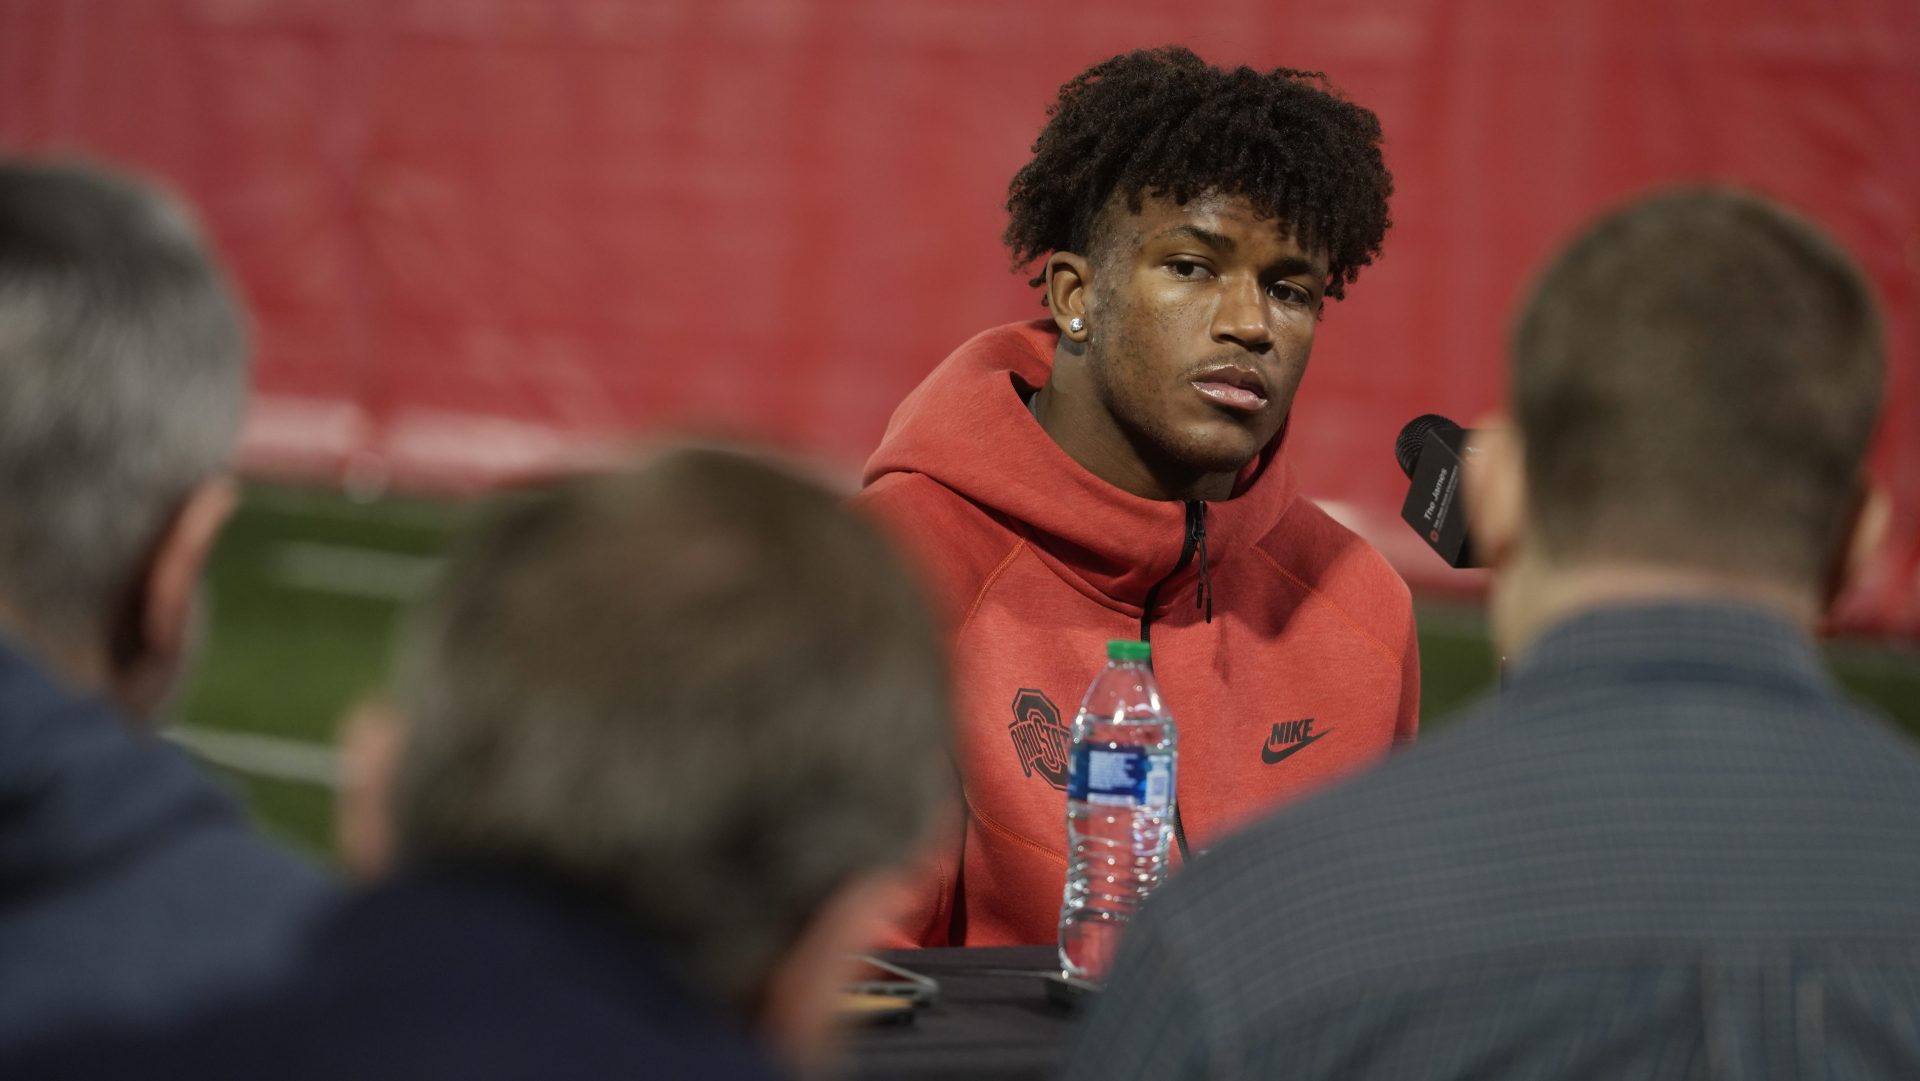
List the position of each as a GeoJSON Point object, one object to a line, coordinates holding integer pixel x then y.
{"type": "Point", "coordinates": [1431, 451]}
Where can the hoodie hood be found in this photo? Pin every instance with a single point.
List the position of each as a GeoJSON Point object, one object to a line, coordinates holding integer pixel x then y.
{"type": "Point", "coordinates": [967, 427]}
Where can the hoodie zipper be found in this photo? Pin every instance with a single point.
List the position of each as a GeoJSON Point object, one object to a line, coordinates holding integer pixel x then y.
{"type": "Point", "coordinates": [1194, 544]}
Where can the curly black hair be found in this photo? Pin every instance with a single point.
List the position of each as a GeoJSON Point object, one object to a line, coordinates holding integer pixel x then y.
{"type": "Point", "coordinates": [1163, 122]}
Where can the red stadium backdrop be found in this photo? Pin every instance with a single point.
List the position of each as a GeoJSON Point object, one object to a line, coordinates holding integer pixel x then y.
{"type": "Point", "coordinates": [482, 236]}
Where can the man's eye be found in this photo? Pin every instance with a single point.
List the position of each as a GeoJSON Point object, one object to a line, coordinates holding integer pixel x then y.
{"type": "Point", "coordinates": [1186, 270]}
{"type": "Point", "coordinates": [1290, 293]}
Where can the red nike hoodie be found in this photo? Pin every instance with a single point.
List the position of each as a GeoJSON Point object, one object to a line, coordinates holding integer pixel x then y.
{"type": "Point", "coordinates": [1283, 644]}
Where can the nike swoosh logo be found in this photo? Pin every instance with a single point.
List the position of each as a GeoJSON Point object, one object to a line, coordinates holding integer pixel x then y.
{"type": "Point", "coordinates": [1272, 755]}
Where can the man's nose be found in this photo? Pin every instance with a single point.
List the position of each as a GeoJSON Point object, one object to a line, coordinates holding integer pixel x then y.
{"type": "Point", "coordinates": [1241, 316]}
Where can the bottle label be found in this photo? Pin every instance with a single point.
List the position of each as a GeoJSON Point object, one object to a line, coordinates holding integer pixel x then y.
{"type": "Point", "coordinates": [1122, 776]}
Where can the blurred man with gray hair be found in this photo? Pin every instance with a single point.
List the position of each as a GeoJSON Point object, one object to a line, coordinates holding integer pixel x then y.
{"type": "Point", "coordinates": [1669, 848]}
{"type": "Point", "coordinates": [669, 732]}
{"type": "Point", "coordinates": [130, 886]}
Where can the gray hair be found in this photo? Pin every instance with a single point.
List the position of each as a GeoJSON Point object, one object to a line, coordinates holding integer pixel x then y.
{"type": "Point", "coordinates": [701, 686]}
{"type": "Point", "coordinates": [122, 384]}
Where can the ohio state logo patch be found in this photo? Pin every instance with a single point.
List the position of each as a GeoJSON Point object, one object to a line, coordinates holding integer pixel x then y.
{"type": "Point", "coordinates": [1039, 737]}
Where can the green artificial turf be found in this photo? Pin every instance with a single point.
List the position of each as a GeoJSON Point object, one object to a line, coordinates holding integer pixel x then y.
{"type": "Point", "coordinates": [290, 651]}
{"type": "Point", "coordinates": [286, 657]}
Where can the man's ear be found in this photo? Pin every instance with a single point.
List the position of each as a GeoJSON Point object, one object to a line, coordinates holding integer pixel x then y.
{"type": "Point", "coordinates": [1872, 512]}
{"type": "Point", "coordinates": [1069, 288]}
{"type": "Point", "coordinates": [163, 625]}
{"type": "Point", "coordinates": [797, 1017]}
{"type": "Point", "coordinates": [372, 739]}
{"type": "Point", "coordinates": [1495, 485]}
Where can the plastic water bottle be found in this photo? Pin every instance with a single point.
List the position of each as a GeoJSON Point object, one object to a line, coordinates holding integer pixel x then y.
{"type": "Point", "coordinates": [1120, 777]}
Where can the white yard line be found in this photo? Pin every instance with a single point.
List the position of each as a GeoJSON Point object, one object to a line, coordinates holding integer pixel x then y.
{"type": "Point", "coordinates": [263, 756]}
{"type": "Point", "coordinates": [355, 572]}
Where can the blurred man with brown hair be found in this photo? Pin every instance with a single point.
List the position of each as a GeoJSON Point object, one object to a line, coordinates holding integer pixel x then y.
{"type": "Point", "coordinates": [130, 887]}
{"type": "Point", "coordinates": [668, 730]}
{"type": "Point", "coordinates": [1669, 848]}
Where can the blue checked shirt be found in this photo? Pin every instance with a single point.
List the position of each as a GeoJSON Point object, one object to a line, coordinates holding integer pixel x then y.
{"type": "Point", "coordinates": [1669, 849]}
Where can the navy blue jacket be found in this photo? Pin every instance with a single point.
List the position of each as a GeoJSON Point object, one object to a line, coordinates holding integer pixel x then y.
{"type": "Point", "coordinates": [469, 974]}
{"type": "Point", "coordinates": [1670, 849]}
{"type": "Point", "coordinates": [131, 887]}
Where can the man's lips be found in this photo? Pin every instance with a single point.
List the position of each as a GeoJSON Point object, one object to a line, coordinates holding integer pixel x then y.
{"type": "Point", "coordinates": [1233, 387]}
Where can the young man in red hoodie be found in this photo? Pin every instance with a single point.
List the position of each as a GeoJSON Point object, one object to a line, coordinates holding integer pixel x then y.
{"type": "Point", "coordinates": [1118, 470]}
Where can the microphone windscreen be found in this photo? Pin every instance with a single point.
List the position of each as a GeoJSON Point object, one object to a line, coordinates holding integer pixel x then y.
{"type": "Point", "coordinates": [1406, 449]}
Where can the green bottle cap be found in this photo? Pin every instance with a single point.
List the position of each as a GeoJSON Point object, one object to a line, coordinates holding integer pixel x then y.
{"type": "Point", "coordinates": [1128, 649]}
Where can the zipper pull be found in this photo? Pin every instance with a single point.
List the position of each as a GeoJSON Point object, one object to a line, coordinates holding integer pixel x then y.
{"type": "Point", "coordinates": [1197, 539]}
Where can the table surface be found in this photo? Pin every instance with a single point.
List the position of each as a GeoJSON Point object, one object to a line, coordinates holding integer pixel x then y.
{"type": "Point", "coordinates": [992, 1019]}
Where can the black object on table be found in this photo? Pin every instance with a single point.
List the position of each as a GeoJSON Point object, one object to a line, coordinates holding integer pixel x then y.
{"type": "Point", "coordinates": [992, 1019]}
